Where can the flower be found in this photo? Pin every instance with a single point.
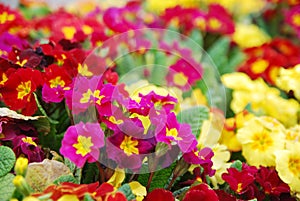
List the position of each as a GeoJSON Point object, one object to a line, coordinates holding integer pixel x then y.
{"type": "Point", "coordinates": [239, 181]}
{"type": "Point", "coordinates": [82, 142]}
{"type": "Point", "coordinates": [28, 146]}
{"type": "Point", "coordinates": [159, 194]}
{"type": "Point", "coordinates": [201, 192]}
{"type": "Point", "coordinates": [260, 138]}
{"type": "Point", "coordinates": [288, 165]}
{"type": "Point", "coordinates": [249, 35]}
{"type": "Point", "coordinates": [288, 80]}
{"type": "Point", "coordinates": [292, 17]}
{"type": "Point", "coordinates": [269, 102]}
{"type": "Point", "coordinates": [271, 183]}
{"type": "Point", "coordinates": [18, 90]}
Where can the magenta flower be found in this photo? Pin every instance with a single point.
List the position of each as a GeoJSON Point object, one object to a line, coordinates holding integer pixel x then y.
{"type": "Point", "coordinates": [202, 157]}
{"type": "Point", "coordinates": [82, 142]}
{"type": "Point", "coordinates": [28, 146]}
{"type": "Point", "coordinates": [184, 73]}
{"type": "Point", "coordinates": [174, 132]}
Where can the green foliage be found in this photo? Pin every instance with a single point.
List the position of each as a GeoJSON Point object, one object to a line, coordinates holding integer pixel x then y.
{"type": "Point", "coordinates": [7, 187]}
{"type": "Point", "coordinates": [87, 197]}
{"type": "Point", "coordinates": [126, 190]}
{"type": "Point", "coordinates": [74, 169]}
{"type": "Point", "coordinates": [194, 117]}
{"type": "Point", "coordinates": [90, 173]}
{"type": "Point", "coordinates": [7, 160]}
{"type": "Point", "coordinates": [237, 165]}
{"type": "Point", "coordinates": [66, 178]}
{"type": "Point", "coordinates": [159, 179]}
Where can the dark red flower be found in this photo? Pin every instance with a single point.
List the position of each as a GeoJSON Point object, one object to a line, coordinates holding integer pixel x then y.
{"type": "Point", "coordinates": [201, 192]}
{"type": "Point", "coordinates": [159, 194]}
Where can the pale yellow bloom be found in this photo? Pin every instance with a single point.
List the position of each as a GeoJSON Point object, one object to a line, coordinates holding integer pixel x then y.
{"type": "Point", "coordinates": [264, 100]}
{"type": "Point", "coordinates": [138, 190]}
{"type": "Point", "coordinates": [68, 198]}
{"type": "Point", "coordinates": [160, 6]}
{"type": "Point", "coordinates": [117, 178]}
{"type": "Point", "coordinates": [240, 8]}
{"type": "Point", "coordinates": [260, 138]}
{"type": "Point", "coordinates": [289, 79]}
{"type": "Point", "coordinates": [288, 165]}
{"type": "Point", "coordinates": [293, 134]}
{"type": "Point", "coordinates": [249, 35]}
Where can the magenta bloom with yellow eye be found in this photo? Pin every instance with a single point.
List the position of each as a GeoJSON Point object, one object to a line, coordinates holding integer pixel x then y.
{"type": "Point", "coordinates": [82, 142]}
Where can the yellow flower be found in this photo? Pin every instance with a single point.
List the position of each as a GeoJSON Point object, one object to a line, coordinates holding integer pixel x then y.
{"type": "Point", "coordinates": [160, 6]}
{"type": "Point", "coordinates": [240, 8]}
{"type": "Point", "coordinates": [249, 35]}
{"type": "Point", "coordinates": [260, 138]}
{"type": "Point", "coordinates": [228, 136]}
{"type": "Point", "coordinates": [289, 79]}
{"type": "Point", "coordinates": [21, 166]}
{"type": "Point", "coordinates": [138, 190]}
{"type": "Point", "coordinates": [31, 198]}
{"type": "Point", "coordinates": [264, 100]}
{"type": "Point", "coordinates": [293, 134]}
{"type": "Point", "coordinates": [288, 165]}
{"type": "Point", "coordinates": [117, 178]}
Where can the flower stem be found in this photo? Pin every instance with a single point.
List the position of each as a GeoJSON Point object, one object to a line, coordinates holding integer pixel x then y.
{"type": "Point", "coordinates": [101, 173]}
{"type": "Point", "coordinates": [43, 111]}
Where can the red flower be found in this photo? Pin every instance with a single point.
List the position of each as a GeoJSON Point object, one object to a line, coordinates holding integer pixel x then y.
{"type": "Point", "coordinates": [238, 180]}
{"type": "Point", "coordinates": [159, 195]}
{"type": "Point", "coordinates": [270, 182]}
{"type": "Point", "coordinates": [201, 192]}
{"type": "Point", "coordinates": [18, 90]}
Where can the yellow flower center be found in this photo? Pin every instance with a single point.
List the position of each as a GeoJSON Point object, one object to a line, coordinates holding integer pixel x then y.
{"type": "Point", "coordinates": [262, 141]}
{"type": "Point", "coordinates": [214, 23]}
{"type": "Point", "coordinates": [23, 89]}
{"type": "Point", "coordinates": [296, 19]}
{"type": "Point", "coordinates": [57, 82]}
{"type": "Point", "coordinates": [69, 32]}
{"type": "Point", "coordinates": [259, 66]}
{"type": "Point", "coordinates": [173, 132]}
{"type": "Point", "coordinates": [4, 79]}
{"type": "Point", "coordinates": [294, 166]}
{"type": "Point", "coordinates": [83, 146]}
{"type": "Point", "coordinates": [180, 79]}
{"type": "Point", "coordinates": [29, 140]}
{"type": "Point", "coordinates": [83, 70]}
{"type": "Point", "coordinates": [113, 120]}
{"type": "Point", "coordinates": [87, 29]}
{"type": "Point", "coordinates": [239, 187]}
{"type": "Point", "coordinates": [200, 22]}
{"type": "Point", "coordinates": [4, 17]}
{"type": "Point", "coordinates": [22, 63]}
{"type": "Point", "coordinates": [87, 96]}
{"type": "Point", "coordinates": [129, 146]}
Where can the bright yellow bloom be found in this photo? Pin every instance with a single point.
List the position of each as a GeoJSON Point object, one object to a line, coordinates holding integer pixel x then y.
{"type": "Point", "coordinates": [138, 190]}
{"type": "Point", "coordinates": [249, 35]}
{"type": "Point", "coordinates": [288, 165]}
{"type": "Point", "coordinates": [161, 5]}
{"type": "Point", "coordinates": [240, 8]}
{"type": "Point", "coordinates": [68, 198]}
{"type": "Point", "coordinates": [263, 99]}
{"type": "Point", "coordinates": [289, 79]}
{"type": "Point", "coordinates": [117, 178]}
{"type": "Point", "coordinates": [231, 126]}
{"type": "Point", "coordinates": [260, 138]}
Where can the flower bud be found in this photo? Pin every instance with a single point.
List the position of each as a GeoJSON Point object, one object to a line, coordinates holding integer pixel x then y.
{"type": "Point", "coordinates": [21, 166]}
{"type": "Point", "coordinates": [21, 185]}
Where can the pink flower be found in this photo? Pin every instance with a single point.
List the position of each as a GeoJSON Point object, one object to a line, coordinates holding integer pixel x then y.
{"type": "Point", "coordinates": [82, 142]}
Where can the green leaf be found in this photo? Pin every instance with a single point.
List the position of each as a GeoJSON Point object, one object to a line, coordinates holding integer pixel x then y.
{"type": "Point", "coordinates": [126, 190]}
{"type": "Point", "coordinates": [7, 187]}
{"type": "Point", "coordinates": [87, 197]}
{"type": "Point", "coordinates": [237, 165]}
{"type": "Point", "coordinates": [74, 169]}
{"type": "Point", "coordinates": [194, 117]}
{"type": "Point", "coordinates": [66, 178]}
{"type": "Point", "coordinates": [7, 160]}
{"type": "Point", "coordinates": [159, 179]}
{"type": "Point", "coordinates": [196, 35]}
{"type": "Point", "coordinates": [90, 173]}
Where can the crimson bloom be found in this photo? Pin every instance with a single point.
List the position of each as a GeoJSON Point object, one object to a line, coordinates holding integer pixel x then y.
{"type": "Point", "coordinates": [159, 194]}
{"type": "Point", "coordinates": [82, 142]}
{"type": "Point", "coordinates": [239, 181]}
{"type": "Point", "coordinates": [201, 192]}
{"type": "Point", "coordinates": [18, 90]}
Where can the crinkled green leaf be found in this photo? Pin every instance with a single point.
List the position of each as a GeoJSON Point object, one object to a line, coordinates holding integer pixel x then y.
{"type": "Point", "coordinates": [126, 190]}
{"type": "Point", "coordinates": [7, 160]}
{"type": "Point", "coordinates": [74, 169]}
{"type": "Point", "coordinates": [7, 187]}
{"type": "Point", "coordinates": [66, 178]}
{"type": "Point", "coordinates": [194, 117]}
{"type": "Point", "coordinates": [159, 179]}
